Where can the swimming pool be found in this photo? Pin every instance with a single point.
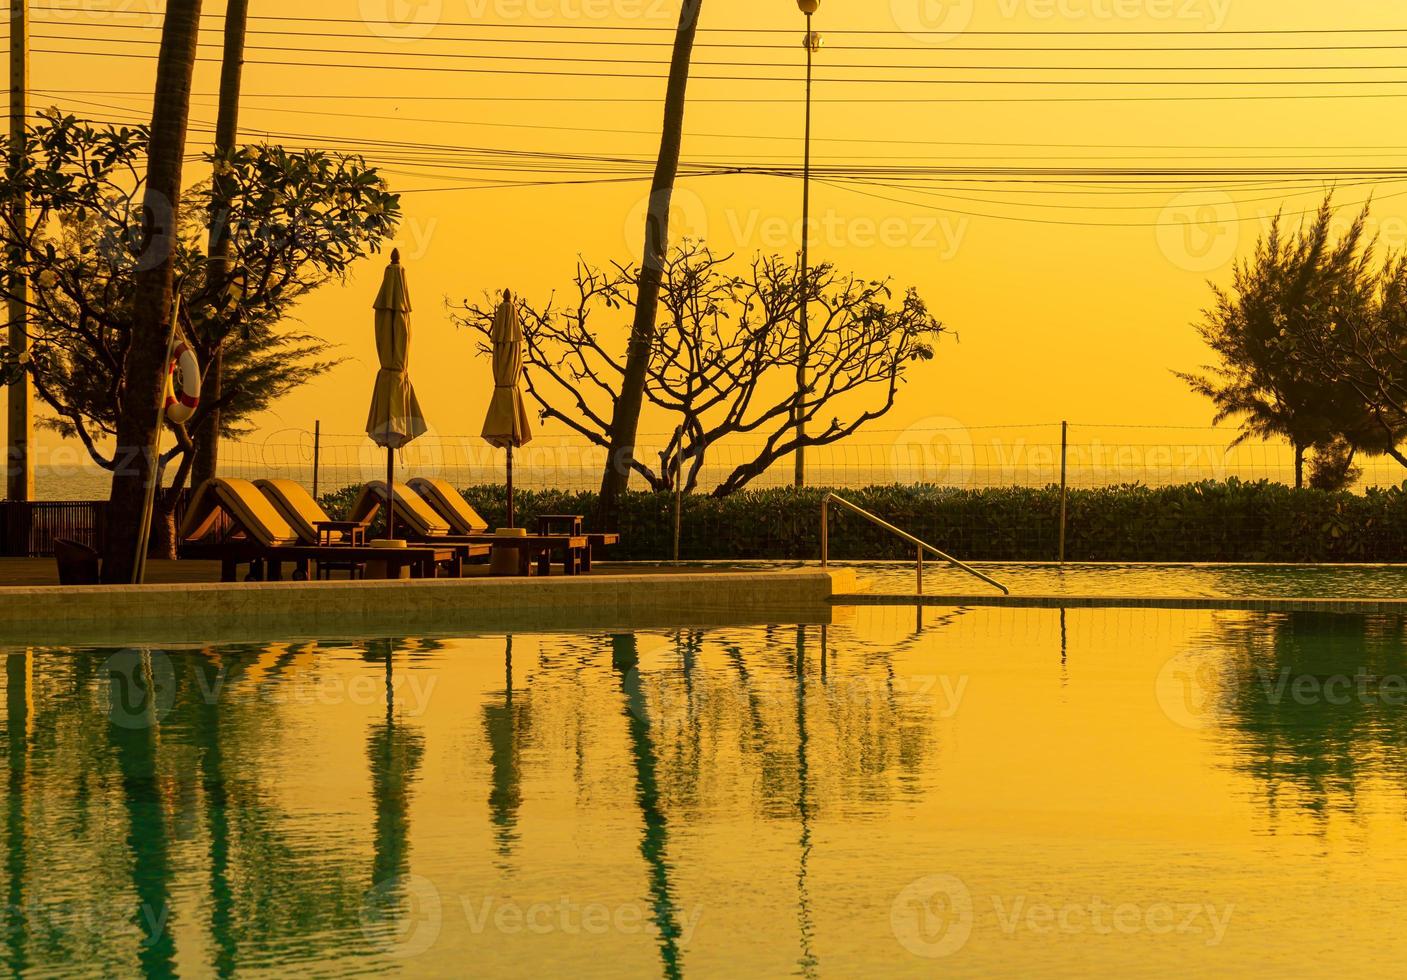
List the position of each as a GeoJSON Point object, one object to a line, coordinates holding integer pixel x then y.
{"type": "Point", "coordinates": [1142, 580]}
{"type": "Point", "coordinates": [1003, 792]}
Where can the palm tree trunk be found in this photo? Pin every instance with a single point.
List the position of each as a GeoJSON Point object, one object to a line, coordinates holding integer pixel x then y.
{"type": "Point", "coordinates": [1299, 466]}
{"type": "Point", "coordinates": [207, 452]}
{"type": "Point", "coordinates": [625, 418]}
{"type": "Point", "coordinates": [144, 370]}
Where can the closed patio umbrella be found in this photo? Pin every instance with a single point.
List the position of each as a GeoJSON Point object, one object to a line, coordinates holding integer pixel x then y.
{"type": "Point", "coordinates": [395, 418]}
{"type": "Point", "coordinates": [506, 425]}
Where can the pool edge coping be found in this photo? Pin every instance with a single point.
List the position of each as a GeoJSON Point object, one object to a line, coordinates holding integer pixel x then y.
{"type": "Point", "coordinates": [1228, 603]}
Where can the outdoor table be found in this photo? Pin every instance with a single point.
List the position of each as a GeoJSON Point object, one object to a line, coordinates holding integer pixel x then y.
{"type": "Point", "coordinates": [422, 560]}
{"type": "Point", "coordinates": [572, 524]}
{"type": "Point", "coordinates": [266, 564]}
{"type": "Point", "coordinates": [353, 532]}
{"type": "Point", "coordinates": [559, 523]}
{"type": "Point", "coordinates": [574, 548]}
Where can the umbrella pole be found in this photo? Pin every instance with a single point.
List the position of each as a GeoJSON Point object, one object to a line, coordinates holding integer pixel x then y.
{"type": "Point", "coordinates": [510, 487]}
{"type": "Point", "coordinates": [390, 493]}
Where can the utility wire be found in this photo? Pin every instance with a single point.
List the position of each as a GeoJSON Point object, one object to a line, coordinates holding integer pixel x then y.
{"type": "Point", "coordinates": [751, 46]}
{"type": "Point", "coordinates": [89, 9]}
{"type": "Point", "coordinates": [421, 55]}
{"type": "Point", "coordinates": [753, 78]}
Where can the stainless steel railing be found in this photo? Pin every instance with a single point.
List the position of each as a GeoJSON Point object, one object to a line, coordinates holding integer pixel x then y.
{"type": "Point", "coordinates": [921, 546]}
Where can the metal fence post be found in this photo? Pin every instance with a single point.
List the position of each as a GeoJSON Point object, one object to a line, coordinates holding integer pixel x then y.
{"type": "Point", "coordinates": [1064, 487]}
{"type": "Point", "coordinates": [317, 454]}
{"type": "Point", "coordinates": [678, 494]}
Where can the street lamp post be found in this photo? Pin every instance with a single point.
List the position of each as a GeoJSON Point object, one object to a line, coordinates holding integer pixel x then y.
{"type": "Point", "coordinates": [812, 43]}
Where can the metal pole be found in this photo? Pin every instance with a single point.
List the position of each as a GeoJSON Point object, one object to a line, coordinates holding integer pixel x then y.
{"type": "Point", "coordinates": [678, 491]}
{"type": "Point", "coordinates": [920, 571]}
{"type": "Point", "coordinates": [510, 486]}
{"type": "Point", "coordinates": [317, 454]}
{"type": "Point", "coordinates": [803, 327]}
{"type": "Point", "coordinates": [825, 531]}
{"type": "Point", "coordinates": [19, 469]}
{"type": "Point", "coordinates": [390, 493]}
{"type": "Point", "coordinates": [1064, 444]}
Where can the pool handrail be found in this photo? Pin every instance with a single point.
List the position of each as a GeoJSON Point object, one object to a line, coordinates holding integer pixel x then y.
{"type": "Point", "coordinates": [922, 546]}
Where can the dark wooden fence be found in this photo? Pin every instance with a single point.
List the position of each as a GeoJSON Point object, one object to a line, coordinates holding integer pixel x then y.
{"type": "Point", "coordinates": [28, 529]}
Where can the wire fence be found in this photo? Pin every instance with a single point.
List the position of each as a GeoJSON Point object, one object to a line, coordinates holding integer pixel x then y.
{"type": "Point", "coordinates": [941, 455]}
{"type": "Point", "coordinates": [1228, 524]}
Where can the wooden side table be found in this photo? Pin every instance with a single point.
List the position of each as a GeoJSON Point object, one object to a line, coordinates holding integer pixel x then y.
{"type": "Point", "coordinates": [559, 524]}
{"type": "Point", "coordinates": [353, 533]}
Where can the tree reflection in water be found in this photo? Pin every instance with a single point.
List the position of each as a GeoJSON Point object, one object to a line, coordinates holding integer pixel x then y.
{"type": "Point", "coordinates": [1312, 706]}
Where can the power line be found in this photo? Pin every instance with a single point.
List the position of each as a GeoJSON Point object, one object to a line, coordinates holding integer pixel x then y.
{"type": "Point", "coordinates": [938, 100]}
{"type": "Point", "coordinates": [421, 55]}
{"type": "Point", "coordinates": [1219, 219]}
{"type": "Point", "coordinates": [771, 137]}
{"type": "Point", "coordinates": [515, 159]}
{"type": "Point", "coordinates": [534, 73]}
{"type": "Point", "coordinates": [732, 45]}
{"type": "Point", "coordinates": [402, 23]}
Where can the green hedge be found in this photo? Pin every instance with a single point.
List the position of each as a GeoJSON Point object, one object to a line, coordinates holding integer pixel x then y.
{"type": "Point", "coordinates": [1232, 521]}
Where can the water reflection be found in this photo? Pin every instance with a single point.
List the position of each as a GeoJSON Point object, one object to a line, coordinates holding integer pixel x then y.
{"type": "Point", "coordinates": [18, 716]}
{"type": "Point", "coordinates": [654, 834]}
{"type": "Point", "coordinates": [137, 696]}
{"type": "Point", "coordinates": [394, 752]}
{"type": "Point", "coordinates": [805, 924]}
{"type": "Point", "coordinates": [266, 807]}
{"type": "Point", "coordinates": [506, 725]}
{"type": "Point", "coordinates": [1312, 706]}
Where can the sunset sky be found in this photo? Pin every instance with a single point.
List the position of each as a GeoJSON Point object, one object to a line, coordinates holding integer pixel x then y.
{"type": "Point", "coordinates": [1072, 299]}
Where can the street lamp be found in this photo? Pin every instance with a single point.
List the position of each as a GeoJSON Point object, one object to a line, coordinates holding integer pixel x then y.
{"type": "Point", "coordinates": [812, 43]}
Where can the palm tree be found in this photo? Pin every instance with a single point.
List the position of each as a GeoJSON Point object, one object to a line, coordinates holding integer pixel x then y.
{"type": "Point", "coordinates": [207, 452]}
{"type": "Point", "coordinates": [144, 372]}
{"type": "Point", "coordinates": [625, 418]}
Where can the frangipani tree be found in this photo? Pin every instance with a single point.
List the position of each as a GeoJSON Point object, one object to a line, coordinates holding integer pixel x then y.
{"type": "Point", "coordinates": [296, 221]}
{"type": "Point", "coordinates": [720, 356]}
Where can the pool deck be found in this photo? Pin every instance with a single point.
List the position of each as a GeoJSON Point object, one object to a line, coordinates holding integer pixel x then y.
{"type": "Point", "coordinates": [182, 604]}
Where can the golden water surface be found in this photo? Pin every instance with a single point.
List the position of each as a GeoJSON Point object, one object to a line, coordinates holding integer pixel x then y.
{"type": "Point", "coordinates": [992, 793]}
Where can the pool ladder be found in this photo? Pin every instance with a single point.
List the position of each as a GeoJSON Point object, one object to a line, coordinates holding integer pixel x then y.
{"type": "Point", "coordinates": [921, 546]}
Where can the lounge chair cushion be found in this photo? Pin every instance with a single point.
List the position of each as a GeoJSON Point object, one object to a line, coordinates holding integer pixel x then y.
{"type": "Point", "coordinates": [450, 504]}
{"type": "Point", "coordinates": [296, 506]}
{"type": "Point", "coordinates": [412, 512]}
{"type": "Point", "coordinates": [250, 511]}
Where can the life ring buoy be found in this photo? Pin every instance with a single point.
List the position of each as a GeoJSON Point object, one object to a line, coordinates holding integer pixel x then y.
{"type": "Point", "coordinates": [182, 384]}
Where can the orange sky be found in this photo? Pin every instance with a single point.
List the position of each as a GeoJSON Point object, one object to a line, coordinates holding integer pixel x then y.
{"type": "Point", "coordinates": [1056, 320]}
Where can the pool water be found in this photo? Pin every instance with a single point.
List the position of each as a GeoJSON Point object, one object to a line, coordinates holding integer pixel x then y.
{"type": "Point", "coordinates": [992, 792]}
{"type": "Point", "coordinates": [1161, 581]}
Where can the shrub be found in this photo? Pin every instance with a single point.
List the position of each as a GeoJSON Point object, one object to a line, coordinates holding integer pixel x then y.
{"type": "Point", "coordinates": [1233, 521]}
